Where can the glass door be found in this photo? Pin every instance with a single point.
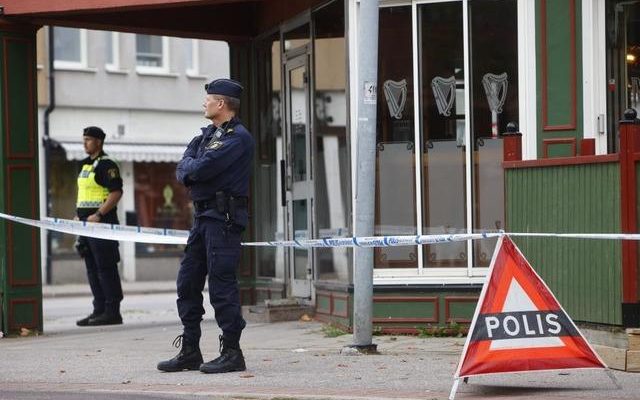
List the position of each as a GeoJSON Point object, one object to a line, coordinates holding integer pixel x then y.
{"type": "Point", "coordinates": [444, 131]}
{"type": "Point", "coordinates": [623, 63]}
{"type": "Point", "coordinates": [299, 184]}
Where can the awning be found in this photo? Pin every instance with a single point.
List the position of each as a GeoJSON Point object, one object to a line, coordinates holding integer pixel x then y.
{"type": "Point", "coordinates": [130, 151]}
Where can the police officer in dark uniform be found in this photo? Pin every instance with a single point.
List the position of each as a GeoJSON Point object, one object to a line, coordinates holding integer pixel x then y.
{"type": "Point", "coordinates": [215, 167]}
{"type": "Point", "coordinates": [99, 190]}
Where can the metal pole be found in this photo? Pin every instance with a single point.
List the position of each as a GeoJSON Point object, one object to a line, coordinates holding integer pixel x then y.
{"type": "Point", "coordinates": [365, 173]}
{"type": "Point", "coordinates": [47, 149]}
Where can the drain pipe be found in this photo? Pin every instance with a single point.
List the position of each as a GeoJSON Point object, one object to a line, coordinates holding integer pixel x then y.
{"type": "Point", "coordinates": [46, 141]}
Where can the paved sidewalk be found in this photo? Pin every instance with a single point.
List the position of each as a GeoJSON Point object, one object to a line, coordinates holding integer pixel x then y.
{"type": "Point", "coordinates": [74, 290]}
{"type": "Point", "coordinates": [292, 360]}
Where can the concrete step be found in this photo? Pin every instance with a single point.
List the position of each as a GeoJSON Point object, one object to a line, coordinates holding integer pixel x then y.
{"type": "Point", "coordinates": [618, 348]}
{"type": "Point", "coordinates": [277, 311]}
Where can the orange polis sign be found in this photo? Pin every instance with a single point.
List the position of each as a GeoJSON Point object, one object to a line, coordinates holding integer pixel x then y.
{"type": "Point", "coordinates": [519, 325]}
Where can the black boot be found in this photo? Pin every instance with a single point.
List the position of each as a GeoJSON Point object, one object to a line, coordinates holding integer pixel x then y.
{"type": "Point", "coordinates": [105, 319]}
{"type": "Point", "coordinates": [230, 360]}
{"type": "Point", "coordinates": [85, 321]}
{"type": "Point", "coordinates": [189, 357]}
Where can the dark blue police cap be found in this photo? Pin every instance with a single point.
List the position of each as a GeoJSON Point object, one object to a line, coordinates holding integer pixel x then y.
{"type": "Point", "coordinates": [224, 87]}
{"type": "Point", "coordinates": [94, 131]}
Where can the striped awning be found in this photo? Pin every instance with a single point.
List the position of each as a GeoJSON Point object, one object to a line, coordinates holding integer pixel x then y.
{"type": "Point", "coordinates": [130, 151]}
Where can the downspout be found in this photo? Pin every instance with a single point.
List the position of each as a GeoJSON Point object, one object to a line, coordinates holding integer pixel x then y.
{"type": "Point", "coordinates": [47, 146]}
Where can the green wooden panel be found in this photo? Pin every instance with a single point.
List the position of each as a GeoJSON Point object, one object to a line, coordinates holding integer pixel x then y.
{"type": "Point", "coordinates": [559, 74]}
{"type": "Point", "coordinates": [19, 118]}
{"type": "Point", "coordinates": [459, 311]}
{"type": "Point", "coordinates": [560, 150]}
{"type": "Point", "coordinates": [23, 244]}
{"type": "Point", "coordinates": [19, 252]}
{"type": "Point", "coordinates": [583, 274]}
{"type": "Point", "coordinates": [323, 303]}
{"type": "Point", "coordinates": [341, 306]}
{"type": "Point", "coordinates": [404, 309]}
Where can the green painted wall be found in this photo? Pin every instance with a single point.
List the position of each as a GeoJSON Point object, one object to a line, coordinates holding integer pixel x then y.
{"type": "Point", "coordinates": [20, 274]}
{"type": "Point", "coordinates": [409, 310]}
{"type": "Point", "coordinates": [585, 275]}
{"type": "Point", "coordinates": [560, 72]}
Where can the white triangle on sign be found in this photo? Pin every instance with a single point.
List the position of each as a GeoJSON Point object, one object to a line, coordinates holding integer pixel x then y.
{"type": "Point", "coordinates": [518, 300]}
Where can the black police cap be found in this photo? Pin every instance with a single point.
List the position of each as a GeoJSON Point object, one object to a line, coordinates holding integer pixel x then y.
{"type": "Point", "coordinates": [94, 131]}
{"type": "Point", "coordinates": [224, 87]}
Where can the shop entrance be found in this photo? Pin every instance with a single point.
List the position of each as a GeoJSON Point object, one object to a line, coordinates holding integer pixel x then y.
{"type": "Point", "coordinates": [298, 178]}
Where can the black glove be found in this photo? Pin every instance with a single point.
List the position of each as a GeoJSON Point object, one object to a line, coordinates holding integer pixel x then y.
{"type": "Point", "coordinates": [82, 246]}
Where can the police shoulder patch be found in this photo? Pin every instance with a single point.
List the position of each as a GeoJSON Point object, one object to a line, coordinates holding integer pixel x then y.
{"type": "Point", "coordinates": [215, 145]}
{"type": "Point", "coordinates": [113, 173]}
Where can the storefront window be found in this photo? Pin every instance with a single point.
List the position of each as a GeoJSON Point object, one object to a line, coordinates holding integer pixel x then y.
{"type": "Point", "coordinates": [623, 63]}
{"type": "Point", "coordinates": [395, 154]}
{"type": "Point", "coordinates": [332, 170]}
{"type": "Point", "coordinates": [468, 93]}
{"type": "Point", "coordinates": [443, 130]}
{"type": "Point", "coordinates": [161, 202]}
{"type": "Point", "coordinates": [494, 104]}
{"type": "Point", "coordinates": [269, 218]}
{"type": "Point", "coordinates": [63, 177]}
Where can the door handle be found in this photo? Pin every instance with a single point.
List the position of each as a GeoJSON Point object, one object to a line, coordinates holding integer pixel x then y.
{"type": "Point", "coordinates": [283, 184]}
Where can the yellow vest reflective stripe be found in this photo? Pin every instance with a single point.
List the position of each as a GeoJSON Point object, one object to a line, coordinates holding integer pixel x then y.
{"type": "Point", "coordinates": [90, 193]}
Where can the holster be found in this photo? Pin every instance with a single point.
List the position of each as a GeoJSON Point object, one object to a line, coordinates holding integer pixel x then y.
{"type": "Point", "coordinates": [82, 246]}
{"type": "Point", "coordinates": [227, 205]}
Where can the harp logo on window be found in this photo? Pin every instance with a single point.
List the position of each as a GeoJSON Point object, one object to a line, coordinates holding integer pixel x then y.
{"type": "Point", "coordinates": [444, 92]}
{"type": "Point", "coordinates": [396, 95]}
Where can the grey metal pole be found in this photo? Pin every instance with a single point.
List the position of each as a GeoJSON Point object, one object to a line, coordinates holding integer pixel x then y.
{"type": "Point", "coordinates": [365, 174]}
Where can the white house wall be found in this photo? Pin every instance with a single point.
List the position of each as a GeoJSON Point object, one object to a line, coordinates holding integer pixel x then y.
{"type": "Point", "coordinates": [96, 87]}
{"type": "Point", "coordinates": [140, 126]}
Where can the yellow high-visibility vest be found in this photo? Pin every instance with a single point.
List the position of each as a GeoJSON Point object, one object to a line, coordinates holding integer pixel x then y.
{"type": "Point", "coordinates": [90, 193]}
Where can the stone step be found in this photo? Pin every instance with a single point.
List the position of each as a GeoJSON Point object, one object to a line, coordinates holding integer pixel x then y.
{"type": "Point", "coordinates": [277, 311]}
{"type": "Point", "coordinates": [634, 339]}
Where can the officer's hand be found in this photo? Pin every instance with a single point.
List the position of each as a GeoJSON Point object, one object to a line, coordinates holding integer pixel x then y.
{"type": "Point", "coordinates": [93, 218]}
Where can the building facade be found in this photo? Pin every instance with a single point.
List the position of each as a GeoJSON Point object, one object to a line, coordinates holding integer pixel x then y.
{"type": "Point", "coordinates": [451, 76]}
{"type": "Point", "coordinates": [146, 92]}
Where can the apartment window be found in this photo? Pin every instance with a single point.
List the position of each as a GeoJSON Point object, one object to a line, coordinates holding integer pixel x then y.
{"type": "Point", "coordinates": [70, 48]}
{"type": "Point", "coordinates": [193, 57]}
{"type": "Point", "coordinates": [152, 53]}
{"type": "Point", "coordinates": [112, 55]}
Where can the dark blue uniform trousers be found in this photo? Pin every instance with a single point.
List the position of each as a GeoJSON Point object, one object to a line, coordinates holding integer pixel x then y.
{"type": "Point", "coordinates": [211, 250]}
{"type": "Point", "coordinates": [102, 271]}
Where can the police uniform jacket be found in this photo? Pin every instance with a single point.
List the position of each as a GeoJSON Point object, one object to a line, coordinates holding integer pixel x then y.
{"type": "Point", "coordinates": [220, 159]}
{"type": "Point", "coordinates": [107, 175]}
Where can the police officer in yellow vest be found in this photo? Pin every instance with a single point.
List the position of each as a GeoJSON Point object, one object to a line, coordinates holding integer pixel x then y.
{"type": "Point", "coordinates": [99, 190]}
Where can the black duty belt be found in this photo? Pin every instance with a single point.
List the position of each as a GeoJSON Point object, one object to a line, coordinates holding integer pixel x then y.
{"type": "Point", "coordinates": [232, 203]}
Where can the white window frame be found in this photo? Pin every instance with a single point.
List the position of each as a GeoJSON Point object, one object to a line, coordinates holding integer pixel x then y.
{"type": "Point", "coordinates": [527, 115]}
{"type": "Point", "coordinates": [527, 79]}
{"type": "Point", "coordinates": [194, 70]}
{"type": "Point", "coordinates": [114, 66]}
{"type": "Point", "coordinates": [594, 73]}
{"type": "Point", "coordinates": [75, 65]}
{"type": "Point", "coordinates": [148, 70]}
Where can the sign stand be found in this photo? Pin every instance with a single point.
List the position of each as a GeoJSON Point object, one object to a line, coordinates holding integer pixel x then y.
{"type": "Point", "coordinates": [519, 325]}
